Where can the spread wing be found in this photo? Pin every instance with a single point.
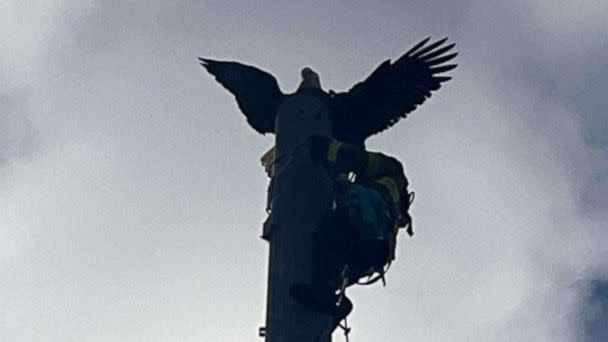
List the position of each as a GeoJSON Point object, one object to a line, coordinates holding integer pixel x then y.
{"type": "Point", "coordinates": [391, 92]}
{"type": "Point", "coordinates": [256, 91]}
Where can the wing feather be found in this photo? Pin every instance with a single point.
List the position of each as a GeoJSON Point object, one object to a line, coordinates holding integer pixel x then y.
{"type": "Point", "coordinates": [440, 60]}
{"type": "Point", "coordinates": [428, 48]}
{"type": "Point", "coordinates": [256, 91]}
{"type": "Point", "coordinates": [391, 91]}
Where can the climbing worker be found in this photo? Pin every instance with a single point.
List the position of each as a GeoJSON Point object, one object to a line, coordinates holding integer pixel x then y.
{"type": "Point", "coordinates": [357, 236]}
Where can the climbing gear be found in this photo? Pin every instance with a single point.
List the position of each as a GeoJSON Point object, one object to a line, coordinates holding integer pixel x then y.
{"type": "Point", "coordinates": [342, 312]}
{"type": "Point", "coordinates": [344, 277]}
{"type": "Point", "coordinates": [346, 329]}
{"type": "Point", "coordinates": [377, 274]}
{"type": "Point", "coordinates": [405, 220]}
{"type": "Point", "coordinates": [343, 301]}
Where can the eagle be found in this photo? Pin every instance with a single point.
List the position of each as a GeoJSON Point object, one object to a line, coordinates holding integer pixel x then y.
{"type": "Point", "coordinates": [392, 91]}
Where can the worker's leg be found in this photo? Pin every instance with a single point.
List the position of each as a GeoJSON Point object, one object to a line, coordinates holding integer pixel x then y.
{"type": "Point", "coordinates": [331, 247]}
{"type": "Point", "coordinates": [333, 241]}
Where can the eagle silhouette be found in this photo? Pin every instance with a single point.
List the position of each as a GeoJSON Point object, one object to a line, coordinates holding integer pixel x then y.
{"type": "Point", "coordinates": [391, 92]}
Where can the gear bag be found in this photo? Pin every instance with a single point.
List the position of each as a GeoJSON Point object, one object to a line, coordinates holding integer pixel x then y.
{"type": "Point", "coordinates": [369, 217]}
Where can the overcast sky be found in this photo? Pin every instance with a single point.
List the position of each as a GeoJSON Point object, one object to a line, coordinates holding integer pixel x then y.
{"type": "Point", "coordinates": [131, 194]}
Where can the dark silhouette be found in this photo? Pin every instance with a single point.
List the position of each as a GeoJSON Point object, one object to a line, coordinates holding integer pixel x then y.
{"type": "Point", "coordinates": [392, 91]}
{"type": "Point", "coordinates": [357, 236]}
{"type": "Point", "coordinates": [333, 218]}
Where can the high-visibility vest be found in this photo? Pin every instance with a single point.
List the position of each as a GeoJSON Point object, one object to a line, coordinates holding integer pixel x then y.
{"type": "Point", "coordinates": [372, 169]}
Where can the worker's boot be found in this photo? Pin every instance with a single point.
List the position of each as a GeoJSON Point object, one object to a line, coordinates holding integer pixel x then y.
{"type": "Point", "coordinates": [323, 301]}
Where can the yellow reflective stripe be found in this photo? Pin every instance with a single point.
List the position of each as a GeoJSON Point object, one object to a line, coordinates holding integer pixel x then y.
{"type": "Point", "coordinates": [332, 152]}
{"type": "Point", "coordinates": [373, 160]}
{"type": "Point", "coordinates": [391, 186]}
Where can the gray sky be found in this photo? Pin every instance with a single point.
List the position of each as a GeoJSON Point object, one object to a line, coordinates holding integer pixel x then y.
{"type": "Point", "coordinates": [132, 198]}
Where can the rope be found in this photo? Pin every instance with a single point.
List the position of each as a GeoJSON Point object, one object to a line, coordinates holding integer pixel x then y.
{"type": "Point", "coordinates": [346, 329]}
{"type": "Point", "coordinates": [344, 276]}
{"type": "Point", "coordinates": [379, 276]}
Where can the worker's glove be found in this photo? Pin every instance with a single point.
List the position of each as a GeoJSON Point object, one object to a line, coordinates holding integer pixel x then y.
{"type": "Point", "coordinates": [318, 147]}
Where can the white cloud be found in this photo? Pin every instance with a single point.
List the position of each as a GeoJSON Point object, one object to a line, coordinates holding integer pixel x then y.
{"type": "Point", "coordinates": [28, 29]}
{"type": "Point", "coordinates": [140, 213]}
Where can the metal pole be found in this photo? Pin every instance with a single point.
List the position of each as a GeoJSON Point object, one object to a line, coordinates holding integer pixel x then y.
{"type": "Point", "coordinates": [301, 192]}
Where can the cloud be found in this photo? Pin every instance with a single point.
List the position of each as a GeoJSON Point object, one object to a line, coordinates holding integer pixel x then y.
{"type": "Point", "coordinates": [17, 135]}
{"type": "Point", "coordinates": [139, 212]}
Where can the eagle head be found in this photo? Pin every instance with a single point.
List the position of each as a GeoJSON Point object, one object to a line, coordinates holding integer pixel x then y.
{"type": "Point", "coordinates": [310, 79]}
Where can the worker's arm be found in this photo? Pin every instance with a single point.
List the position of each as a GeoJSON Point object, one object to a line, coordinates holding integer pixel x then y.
{"type": "Point", "coordinates": [340, 157]}
{"type": "Point", "coordinates": [345, 158]}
